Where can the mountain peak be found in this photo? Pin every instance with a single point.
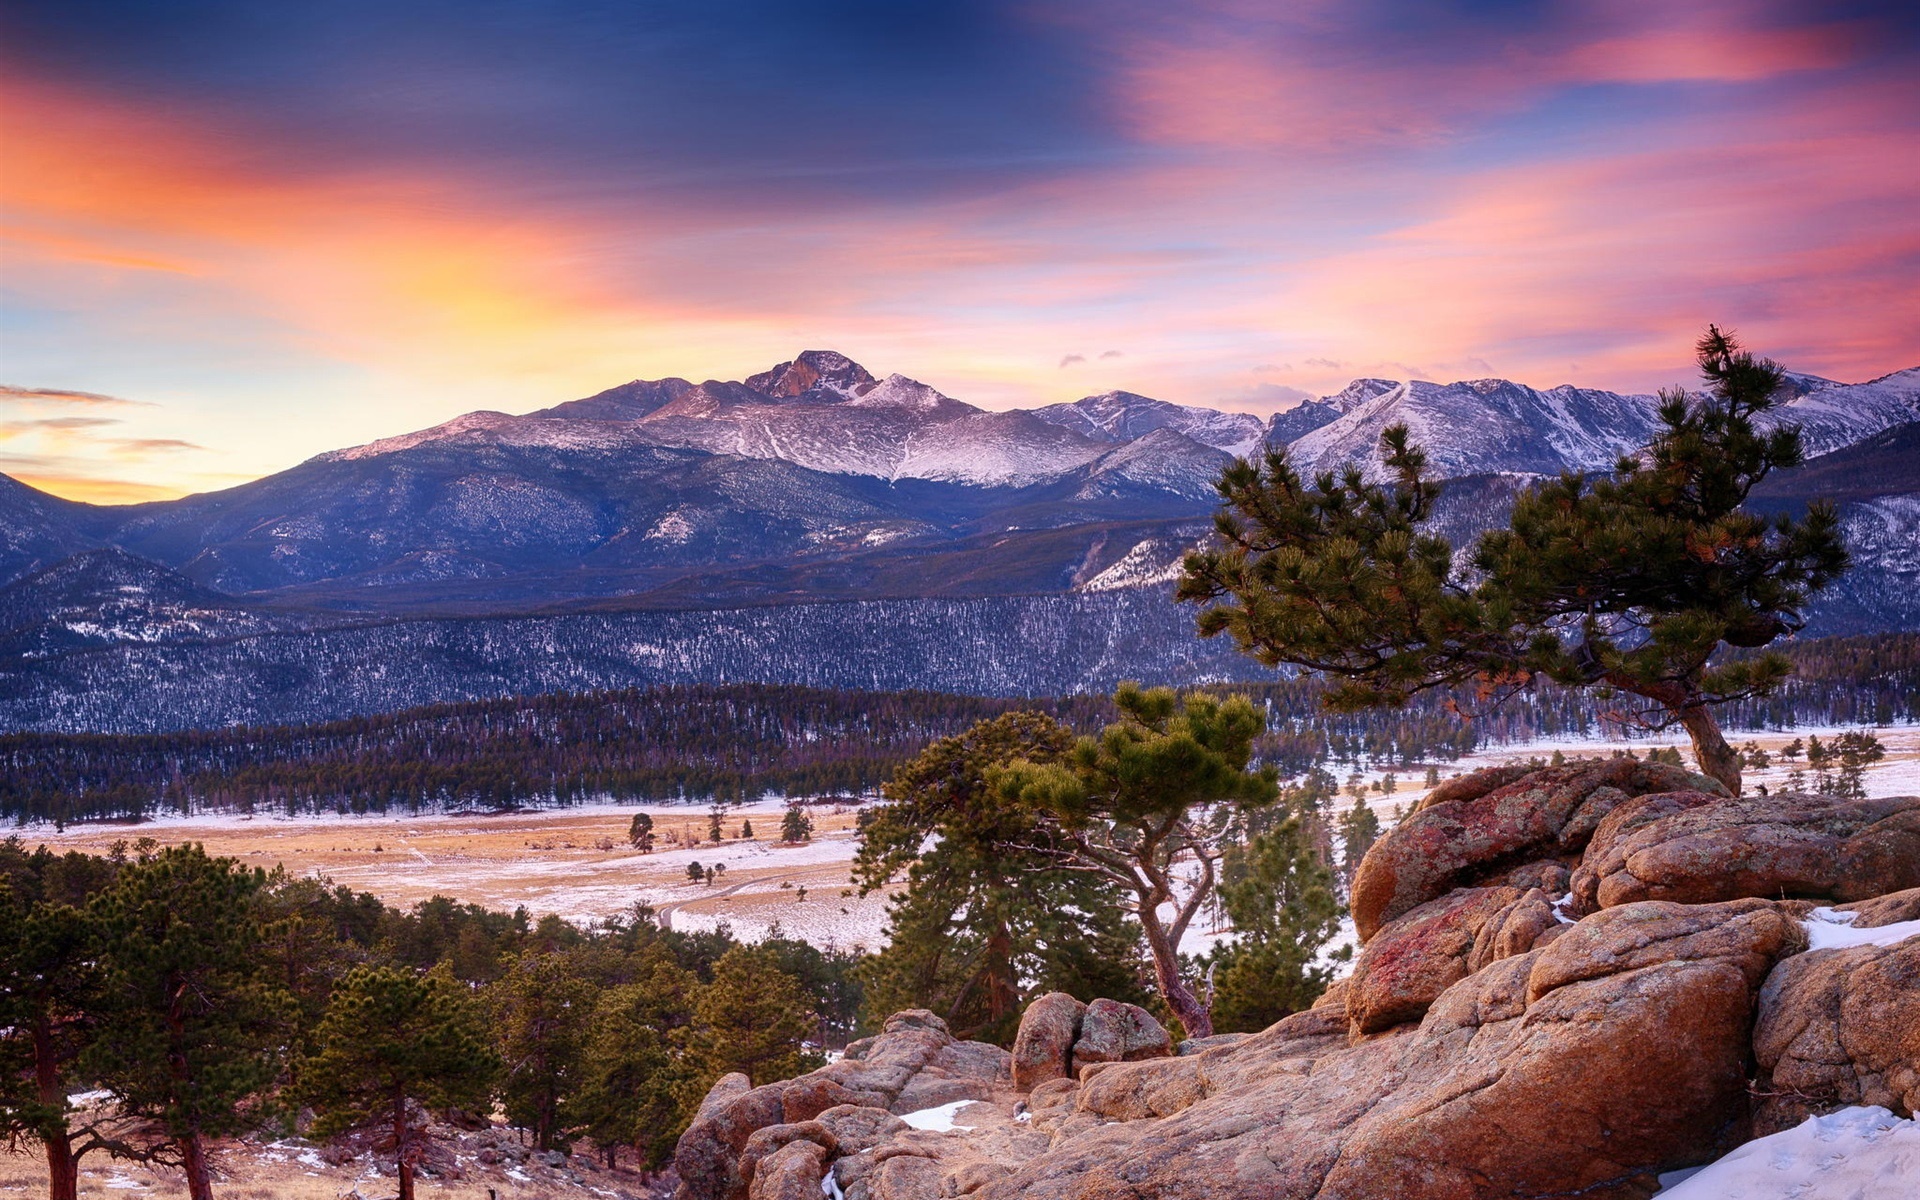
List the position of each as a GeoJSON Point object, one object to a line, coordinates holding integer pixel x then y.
{"type": "Point", "coordinates": [822, 370]}
{"type": "Point", "coordinates": [1359, 392]}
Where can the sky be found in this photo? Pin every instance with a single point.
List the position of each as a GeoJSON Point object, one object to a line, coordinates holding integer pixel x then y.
{"type": "Point", "coordinates": [236, 234]}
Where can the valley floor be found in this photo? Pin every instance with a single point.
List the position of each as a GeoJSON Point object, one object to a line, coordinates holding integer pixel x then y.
{"type": "Point", "coordinates": [576, 862]}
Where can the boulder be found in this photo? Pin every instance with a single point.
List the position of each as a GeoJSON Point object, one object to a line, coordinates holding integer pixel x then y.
{"type": "Point", "coordinates": [707, 1157]}
{"type": "Point", "coordinates": [793, 1172]}
{"type": "Point", "coordinates": [808, 1096]}
{"type": "Point", "coordinates": [1517, 928]}
{"type": "Point", "coordinates": [1839, 1028]}
{"type": "Point", "coordinates": [1699, 850]}
{"type": "Point", "coordinates": [1421, 954]}
{"type": "Point", "coordinates": [1474, 784]}
{"type": "Point", "coordinates": [1111, 1031]}
{"type": "Point", "coordinates": [906, 1177]}
{"type": "Point", "coordinates": [933, 1087]}
{"type": "Point", "coordinates": [1890, 909]}
{"type": "Point", "coordinates": [1469, 836]}
{"type": "Point", "coordinates": [1043, 1048]}
{"type": "Point", "coordinates": [764, 1145]}
{"type": "Point", "coordinates": [855, 1128]}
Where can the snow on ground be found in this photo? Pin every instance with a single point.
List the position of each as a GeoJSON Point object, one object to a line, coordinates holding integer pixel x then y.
{"type": "Point", "coordinates": [939, 1119]}
{"type": "Point", "coordinates": [1830, 930]}
{"type": "Point", "coordinates": [1853, 1154]}
{"type": "Point", "coordinates": [1896, 775]}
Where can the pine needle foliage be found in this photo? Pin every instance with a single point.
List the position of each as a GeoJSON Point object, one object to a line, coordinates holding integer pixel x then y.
{"type": "Point", "coordinates": [393, 1038]}
{"type": "Point", "coordinates": [1631, 582]}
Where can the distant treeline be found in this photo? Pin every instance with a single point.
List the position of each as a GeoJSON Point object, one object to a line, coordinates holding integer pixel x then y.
{"type": "Point", "coordinates": [701, 743]}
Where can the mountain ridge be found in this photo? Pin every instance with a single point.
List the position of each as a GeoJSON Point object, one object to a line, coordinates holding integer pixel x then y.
{"type": "Point", "coordinates": [801, 513]}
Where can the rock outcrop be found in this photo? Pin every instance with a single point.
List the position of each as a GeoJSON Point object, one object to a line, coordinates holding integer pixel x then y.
{"type": "Point", "coordinates": [1462, 836]}
{"type": "Point", "coordinates": [848, 1107]}
{"type": "Point", "coordinates": [1486, 1044]}
{"type": "Point", "coordinates": [1839, 1027]}
{"type": "Point", "coordinates": [1801, 846]}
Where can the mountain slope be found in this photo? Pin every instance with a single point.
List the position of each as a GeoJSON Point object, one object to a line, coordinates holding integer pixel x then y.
{"type": "Point", "coordinates": [813, 523]}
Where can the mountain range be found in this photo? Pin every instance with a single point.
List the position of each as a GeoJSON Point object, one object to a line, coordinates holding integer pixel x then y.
{"type": "Point", "coordinates": [808, 486]}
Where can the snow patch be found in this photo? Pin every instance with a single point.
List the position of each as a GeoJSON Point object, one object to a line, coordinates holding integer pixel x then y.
{"type": "Point", "coordinates": [939, 1119]}
{"type": "Point", "coordinates": [1857, 1152]}
{"type": "Point", "coordinates": [1830, 930]}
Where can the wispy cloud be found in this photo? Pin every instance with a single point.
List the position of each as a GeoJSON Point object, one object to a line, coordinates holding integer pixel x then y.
{"type": "Point", "coordinates": [58, 424]}
{"type": "Point", "coordinates": [9, 392]}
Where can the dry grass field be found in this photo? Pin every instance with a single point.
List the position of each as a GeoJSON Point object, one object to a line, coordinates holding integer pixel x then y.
{"type": "Point", "coordinates": [573, 862]}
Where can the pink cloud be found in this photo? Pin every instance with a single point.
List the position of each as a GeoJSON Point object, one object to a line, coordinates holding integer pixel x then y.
{"type": "Point", "coordinates": [1275, 79]}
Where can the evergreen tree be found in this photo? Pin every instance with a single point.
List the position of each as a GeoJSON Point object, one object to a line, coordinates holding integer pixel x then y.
{"type": "Point", "coordinates": [1154, 792]}
{"type": "Point", "coordinates": [1278, 893]}
{"type": "Point", "coordinates": [714, 832]}
{"type": "Point", "coordinates": [49, 995]}
{"type": "Point", "coordinates": [746, 829]}
{"type": "Point", "coordinates": [393, 1037]}
{"type": "Point", "coordinates": [1854, 751]}
{"type": "Point", "coordinates": [1631, 583]}
{"type": "Point", "coordinates": [796, 826]}
{"type": "Point", "coordinates": [1359, 829]}
{"type": "Point", "coordinates": [640, 833]}
{"type": "Point", "coordinates": [192, 1034]}
{"type": "Point", "coordinates": [752, 1018]}
{"type": "Point", "coordinates": [984, 924]}
{"type": "Point", "coordinates": [633, 1078]}
{"type": "Point", "coordinates": [540, 1010]}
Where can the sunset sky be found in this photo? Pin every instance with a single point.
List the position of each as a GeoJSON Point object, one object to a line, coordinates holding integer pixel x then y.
{"type": "Point", "coordinates": [233, 235]}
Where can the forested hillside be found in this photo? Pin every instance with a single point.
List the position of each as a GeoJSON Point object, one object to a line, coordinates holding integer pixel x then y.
{"type": "Point", "coordinates": [700, 742]}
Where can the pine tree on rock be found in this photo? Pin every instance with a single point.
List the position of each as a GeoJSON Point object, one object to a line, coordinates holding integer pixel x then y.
{"type": "Point", "coordinates": [984, 925]}
{"type": "Point", "coordinates": [1146, 806]}
{"type": "Point", "coordinates": [393, 1037]}
{"type": "Point", "coordinates": [1629, 583]}
{"type": "Point", "coordinates": [192, 1033]}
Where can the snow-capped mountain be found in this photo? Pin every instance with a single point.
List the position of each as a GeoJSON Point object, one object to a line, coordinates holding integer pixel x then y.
{"type": "Point", "coordinates": [1124, 416]}
{"type": "Point", "coordinates": [812, 484]}
{"type": "Point", "coordinates": [1493, 425]}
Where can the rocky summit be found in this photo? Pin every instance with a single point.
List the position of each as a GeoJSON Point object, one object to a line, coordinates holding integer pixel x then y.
{"type": "Point", "coordinates": [1573, 981]}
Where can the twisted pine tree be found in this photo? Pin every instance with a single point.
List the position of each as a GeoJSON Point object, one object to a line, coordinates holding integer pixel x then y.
{"type": "Point", "coordinates": [1630, 582]}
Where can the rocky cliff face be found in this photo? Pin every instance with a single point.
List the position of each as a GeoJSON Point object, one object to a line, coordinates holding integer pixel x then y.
{"type": "Point", "coordinates": [1573, 981]}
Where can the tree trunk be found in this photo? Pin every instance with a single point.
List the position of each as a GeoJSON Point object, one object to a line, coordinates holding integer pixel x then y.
{"type": "Point", "coordinates": [1003, 996]}
{"type": "Point", "coordinates": [1717, 759]}
{"type": "Point", "coordinates": [63, 1173]}
{"type": "Point", "coordinates": [402, 1160]}
{"type": "Point", "coordinates": [1166, 970]}
{"type": "Point", "coordinates": [193, 1158]}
